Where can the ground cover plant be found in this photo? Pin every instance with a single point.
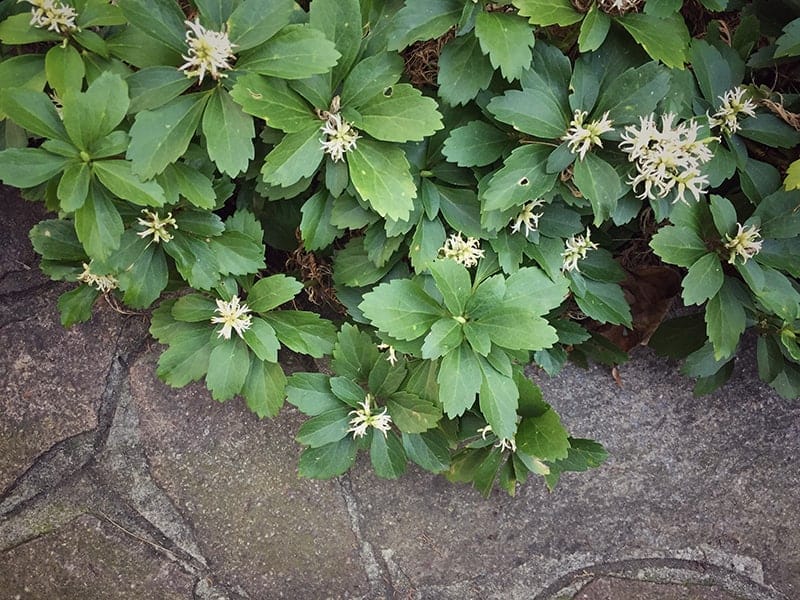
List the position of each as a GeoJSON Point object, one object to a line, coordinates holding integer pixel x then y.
{"type": "Point", "coordinates": [431, 194]}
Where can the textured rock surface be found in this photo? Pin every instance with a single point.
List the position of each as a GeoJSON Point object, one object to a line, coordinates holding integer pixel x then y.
{"type": "Point", "coordinates": [616, 589]}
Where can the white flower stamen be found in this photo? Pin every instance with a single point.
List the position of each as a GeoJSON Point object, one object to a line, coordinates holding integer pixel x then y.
{"type": "Point", "coordinates": [233, 316]}
{"type": "Point", "coordinates": [576, 248]}
{"type": "Point", "coordinates": [340, 137]}
{"type": "Point", "coordinates": [580, 138]}
{"type": "Point", "coordinates": [209, 52]}
{"type": "Point", "coordinates": [104, 283]}
{"type": "Point", "coordinates": [391, 356]}
{"type": "Point", "coordinates": [156, 227]}
{"type": "Point", "coordinates": [53, 16]}
{"type": "Point", "coordinates": [667, 159]}
{"type": "Point", "coordinates": [745, 243]}
{"type": "Point", "coordinates": [467, 252]}
{"type": "Point", "coordinates": [363, 419]}
{"type": "Point", "coordinates": [621, 6]}
{"type": "Point", "coordinates": [527, 218]}
{"type": "Point", "coordinates": [502, 443]}
{"type": "Point", "coordinates": [727, 117]}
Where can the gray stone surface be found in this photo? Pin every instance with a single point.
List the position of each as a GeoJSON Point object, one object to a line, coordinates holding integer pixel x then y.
{"type": "Point", "coordinates": [605, 588]}
{"type": "Point", "coordinates": [18, 262]}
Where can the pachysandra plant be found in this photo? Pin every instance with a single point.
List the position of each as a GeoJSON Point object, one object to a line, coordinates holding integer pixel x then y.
{"type": "Point", "coordinates": [473, 186]}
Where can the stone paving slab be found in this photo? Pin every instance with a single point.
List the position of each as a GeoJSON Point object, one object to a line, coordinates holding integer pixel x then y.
{"type": "Point", "coordinates": [606, 588]}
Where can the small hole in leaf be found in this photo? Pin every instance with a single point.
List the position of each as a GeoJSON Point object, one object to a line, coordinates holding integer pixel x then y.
{"type": "Point", "coordinates": [388, 92]}
{"type": "Point", "coordinates": [523, 181]}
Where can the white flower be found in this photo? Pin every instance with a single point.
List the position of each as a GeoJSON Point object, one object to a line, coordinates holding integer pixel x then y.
{"type": "Point", "coordinates": [391, 355]}
{"type": "Point", "coordinates": [104, 283]}
{"type": "Point", "coordinates": [156, 227]}
{"type": "Point", "coordinates": [340, 137]}
{"type": "Point", "coordinates": [53, 16]}
{"type": "Point", "coordinates": [576, 248]}
{"type": "Point", "coordinates": [745, 243]}
{"type": "Point", "coordinates": [467, 252]}
{"type": "Point", "coordinates": [580, 138]}
{"type": "Point", "coordinates": [727, 117]}
{"type": "Point", "coordinates": [503, 444]}
{"type": "Point", "coordinates": [528, 218]}
{"type": "Point", "coordinates": [667, 159]}
{"type": "Point", "coordinates": [622, 6]}
{"type": "Point", "coordinates": [232, 315]}
{"type": "Point", "coordinates": [364, 418]}
{"type": "Point", "coordinates": [209, 51]}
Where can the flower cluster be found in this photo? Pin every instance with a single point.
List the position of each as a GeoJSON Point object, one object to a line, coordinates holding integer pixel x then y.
{"type": "Point", "coordinates": [364, 418]}
{"type": "Point", "coordinates": [104, 283]}
{"type": "Point", "coordinates": [503, 444]}
{"type": "Point", "coordinates": [745, 243]}
{"type": "Point", "coordinates": [576, 248]}
{"type": "Point", "coordinates": [619, 6]}
{"type": "Point", "coordinates": [667, 159]}
{"type": "Point", "coordinates": [156, 227]}
{"type": "Point", "coordinates": [727, 117]}
{"type": "Point", "coordinates": [467, 252]}
{"type": "Point", "coordinates": [527, 218]}
{"type": "Point", "coordinates": [53, 16]}
{"type": "Point", "coordinates": [209, 52]}
{"type": "Point", "coordinates": [580, 138]}
{"type": "Point", "coordinates": [233, 316]}
{"type": "Point", "coordinates": [340, 137]}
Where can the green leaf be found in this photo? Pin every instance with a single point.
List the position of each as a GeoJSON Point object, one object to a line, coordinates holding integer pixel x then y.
{"type": "Point", "coordinates": [725, 320]}
{"type": "Point", "coordinates": [476, 144]}
{"type": "Point", "coordinates": [33, 111]}
{"type": "Point", "coordinates": [399, 114]}
{"type": "Point", "coordinates": [664, 39]}
{"type": "Point", "coordinates": [583, 455]}
{"type": "Point", "coordinates": [261, 339]}
{"type": "Point", "coordinates": [428, 238]}
{"type": "Point", "coordinates": [17, 29]}
{"type": "Point", "coordinates": [270, 292]}
{"type": "Point", "coordinates": [98, 224]}
{"type": "Point", "coordinates": [328, 427]}
{"type": "Point", "coordinates": [56, 240]}
{"type": "Point", "coordinates": [296, 52]}
{"type": "Point", "coordinates": [274, 101]}
{"type": "Point", "coordinates": [401, 308]}
{"type": "Point", "coordinates": [507, 40]}
{"type": "Point", "coordinates": [422, 20]}
{"type": "Point", "coordinates": [297, 156]}
{"type": "Point", "coordinates": [340, 21]}
{"type": "Point", "coordinates": [723, 213]}
{"type": "Point", "coordinates": [536, 111]}
{"type": "Point", "coordinates": [75, 306]}
{"type": "Point", "coordinates": [543, 437]}
{"type": "Point", "coordinates": [548, 12]}
{"type": "Point", "coordinates": [153, 87]}
{"type": "Point", "coordinates": [594, 29]}
{"type": "Point", "coordinates": [599, 183]}
{"type": "Point", "coordinates": [498, 401]}
{"type": "Point", "coordinates": [644, 87]}
{"type": "Point", "coordinates": [380, 174]}
{"type": "Point", "coordinates": [311, 393]}
{"type": "Point", "coordinates": [459, 380]}
{"type": "Point", "coordinates": [387, 455]}
{"type": "Point", "coordinates": [770, 359]}
{"type": "Point", "coordinates": [193, 308]}
{"type": "Point", "coordinates": [352, 267]}
{"type": "Point", "coordinates": [255, 21]}
{"type": "Point", "coordinates": [354, 354]}
{"type": "Point", "coordinates": [26, 71]}
{"type": "Point", "coordinates": [411, 413]}
{"type": "Point", "coordinates": [788, 43]}
{"type": "Point", "coordinates": [792, 181]}
{"type": "Point", "coordinates": [713, 73]}
{"type": "Point", "coordinates": [789, 341]}
{"type": "Point", "coordinates": [302, 331]}
{"type": "Point", "coordinates": [371, 77]}
{"type": "Point", "coordinates": [118, 178]}
{"type": "Point", "coordinates": [678, 246]}
{"type": "Point", "coordinates": [549, 293]}
{"type": "Point", "coordinates": [90, 115]}
{"type": "Point", "coordinates": [429, 450]}
{"type": "Point", "coordinates": [65, 70]}
{"type": "Point", "coordinates": [188, 355]}
{"type": "Point", "coordinates": [523, 176]}
{"type": "Point", "coordinates": [228, 133]}
{"type": "Point", "coordinates": [347, 391]}
{"type": "Point", "coordinates": [215, 12]}
{"type": "Point", "coordinates": [160, 19]}
{"type": "Point", "coordinates": [517, 329]}
{"type": "Point", "coordinates": [769, 130]}
{"type": "Point", "coordinates": [237, 254]}
{"type": "Point", "coordinates": [445, 335]}
{"type": "Point", "coordinates": [228, 366]}
{"type": "Point", "coordinates": [463, 70]}
{"type": "Point", "coordinates": [193, 185]}
{"type": "Point", "coordinates": [703, 280]}
{"type": "Point", "coordinates": [143, 272]}
{"type": "Point", "coordinates": [461, 209]}
{"type": "Point", "coordinates": [264, 388]}
{"type": "Point", "coordinates": [28, 167]}
{"type": "Point", "coordinates": [161, 136]}
{"type": "Point", "coordinates": [316, 227]}
{"type": "Point", "coordinates": [327, 461]}
{"type": "Point", "coordinates": [194, 260]}
{"type": "Point", "coordinates": [454, 282]}
{"type": "Point", "coordinates": [605, 302]}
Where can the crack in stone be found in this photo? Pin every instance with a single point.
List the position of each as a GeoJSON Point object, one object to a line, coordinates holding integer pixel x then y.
{"type": "Point", "coordinates": [379, 579]}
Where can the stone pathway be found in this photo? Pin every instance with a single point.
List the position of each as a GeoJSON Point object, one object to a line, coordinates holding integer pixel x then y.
{"type": "Point", "coordinates": [116, 486]}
